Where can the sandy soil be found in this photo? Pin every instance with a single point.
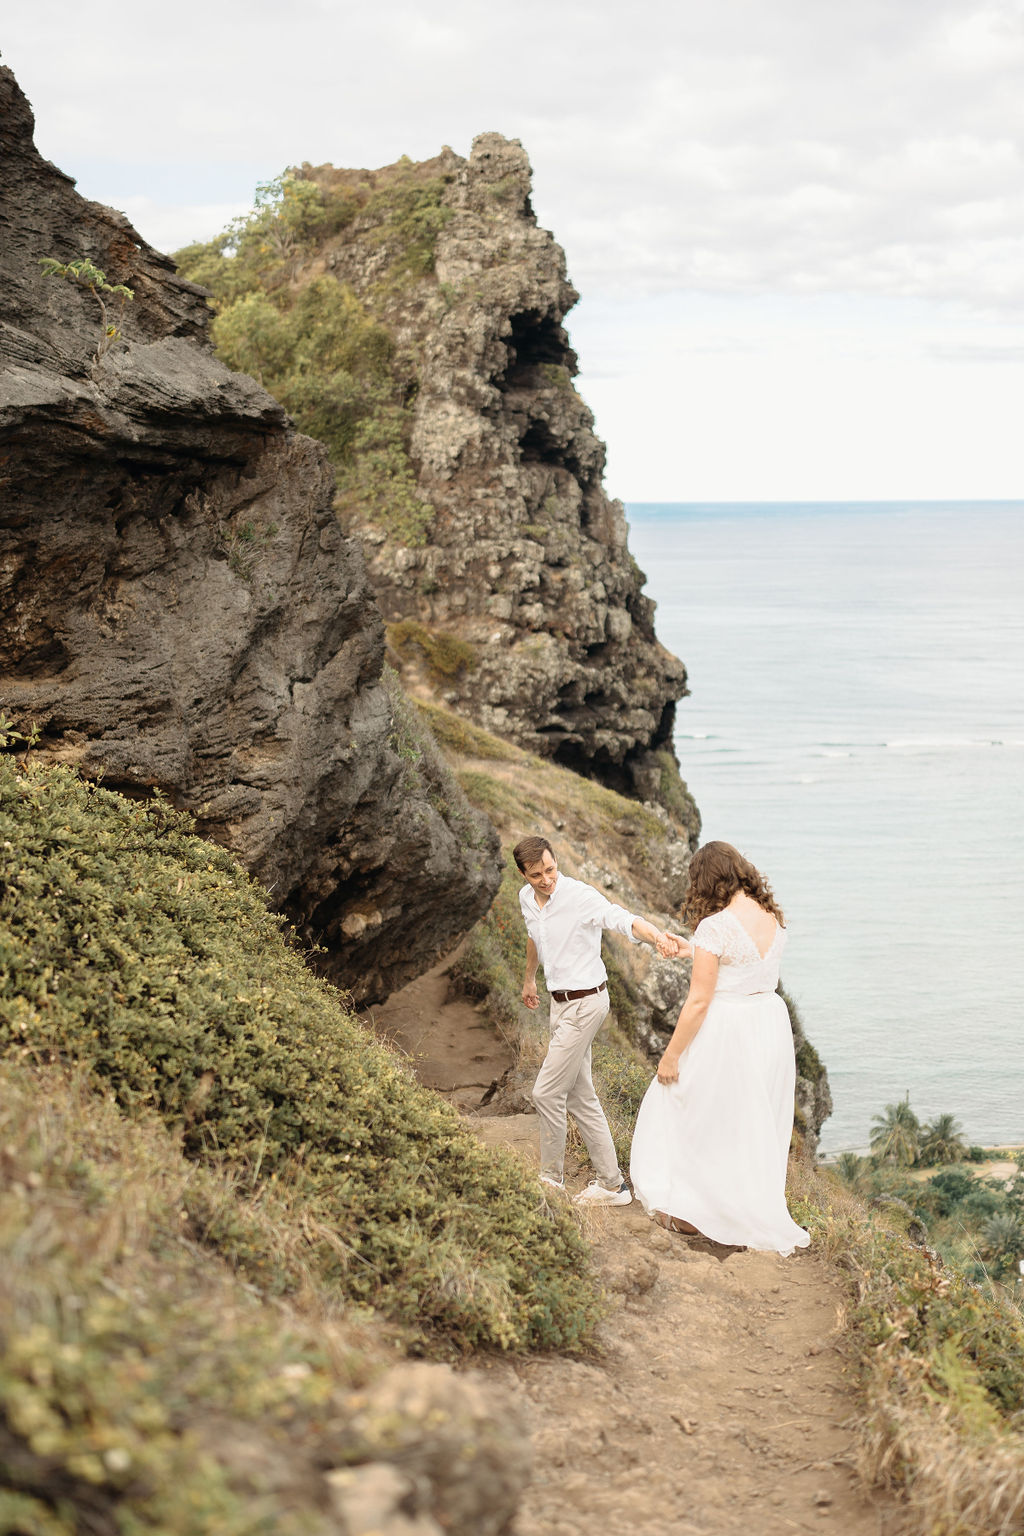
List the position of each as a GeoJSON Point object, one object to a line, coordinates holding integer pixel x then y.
{"type": "Point", "coordinates": [718, 1402]}
{"type": "Point", "coordinates": [453, 1047]}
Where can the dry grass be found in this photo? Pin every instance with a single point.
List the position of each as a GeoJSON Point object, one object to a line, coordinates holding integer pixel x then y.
{"type": "Point", "coordinates": [516, 788]}
{"type": "Point", "coordinates": [941, 1368]}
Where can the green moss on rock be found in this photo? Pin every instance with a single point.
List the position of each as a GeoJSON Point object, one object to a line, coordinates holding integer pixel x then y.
{"type": "Point", "coordinates": [446, 656]}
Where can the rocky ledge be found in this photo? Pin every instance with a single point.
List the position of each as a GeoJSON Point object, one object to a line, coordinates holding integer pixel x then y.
{"type": "Point", "coordinates": [182, 611]}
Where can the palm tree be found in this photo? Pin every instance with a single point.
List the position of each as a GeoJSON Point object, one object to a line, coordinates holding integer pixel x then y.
{"type": "Point", "coordinates": [896, 1135]}
{"type": "Point", "coordinates": [1002, 1243]}
{"type": "Point", "coordinates": [848, 1167]}
{"type": "Point", "coordinates": [943, 1141]}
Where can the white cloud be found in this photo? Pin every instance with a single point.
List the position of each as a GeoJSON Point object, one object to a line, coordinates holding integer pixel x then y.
{"type": "Point", "coordinates": [740, 153]}
{"type": "Point", "coordinates": [783, 398]}
{"type": "Point", "coordinates": [169, 226]}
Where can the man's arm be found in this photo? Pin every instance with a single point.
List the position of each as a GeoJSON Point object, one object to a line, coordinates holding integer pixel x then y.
{"type": "Point", "coordinates": [598, 909]}
{"type": "Point", "coordinates": [530, 997]}
{"type": "Point", "coordinates": [668, 945]}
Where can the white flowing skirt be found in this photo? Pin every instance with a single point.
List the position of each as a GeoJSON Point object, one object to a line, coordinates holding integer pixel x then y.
{"type": "Point", "coordinates": [712, 1148]}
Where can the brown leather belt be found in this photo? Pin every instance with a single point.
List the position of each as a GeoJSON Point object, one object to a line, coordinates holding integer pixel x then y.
{"type": "Point", "coordinates": [570, 997]}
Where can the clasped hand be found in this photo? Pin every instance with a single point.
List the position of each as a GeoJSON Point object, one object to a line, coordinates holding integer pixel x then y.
{"type": "Point", "coordinates": [671, 946]}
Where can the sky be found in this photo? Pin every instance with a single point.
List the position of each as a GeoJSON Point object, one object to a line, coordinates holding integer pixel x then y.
{"type": "Point", "coordinates": [797, 226]}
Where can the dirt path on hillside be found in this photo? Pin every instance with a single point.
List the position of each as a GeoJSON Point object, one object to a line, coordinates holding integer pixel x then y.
{"type": "Point", "coordinates": [718, 1404]}
{"type": "Point", "coordinates": [451, 1043]}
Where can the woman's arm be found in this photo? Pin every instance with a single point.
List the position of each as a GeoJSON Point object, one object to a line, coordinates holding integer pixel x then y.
{"type": "Point", "coordinates": [691, 1016]}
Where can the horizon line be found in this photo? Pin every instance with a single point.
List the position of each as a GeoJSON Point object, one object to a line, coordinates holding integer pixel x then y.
{"type": "Point", "coordinates": [828, 501]}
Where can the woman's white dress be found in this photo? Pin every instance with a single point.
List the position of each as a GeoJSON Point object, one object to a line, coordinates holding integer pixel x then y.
{"type": "Point", "coordinates": [712, 1148]}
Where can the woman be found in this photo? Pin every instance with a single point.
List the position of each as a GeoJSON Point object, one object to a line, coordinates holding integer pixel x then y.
{"type": "Point", "coordinates": [712, 1137]}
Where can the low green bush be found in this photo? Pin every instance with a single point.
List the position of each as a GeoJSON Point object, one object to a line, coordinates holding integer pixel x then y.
{"type": "Point", "coordinates": [408, 213]}
{"type": "Point", "coordinates": [491, 963]}
{"type": "Point", "coordinates": [445, 654]}
{"type": "Point", "coordinates": [907, 1300]}
{"type": "Point", "coordinates": [674, 795]}
{"type": "Point", "coordinates": [132, 946]}
{"type": "Point", "coordinates": [622, 1075]}
{"type": "Point", "coordinates": [121, 1344]}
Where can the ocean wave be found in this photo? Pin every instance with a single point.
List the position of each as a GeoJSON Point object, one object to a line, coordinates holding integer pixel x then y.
{"type": "Point", "coordinates": [945, 743]}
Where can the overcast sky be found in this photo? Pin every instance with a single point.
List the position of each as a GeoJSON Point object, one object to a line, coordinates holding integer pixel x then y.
{"type": "Point", "coordinates": [797, 225]}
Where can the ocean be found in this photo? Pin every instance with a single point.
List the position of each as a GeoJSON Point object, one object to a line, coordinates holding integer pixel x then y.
{"type": "Point", "coordinates": [855, 726]}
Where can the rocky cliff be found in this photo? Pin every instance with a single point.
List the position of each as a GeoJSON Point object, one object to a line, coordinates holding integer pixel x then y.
{"type": "Point", "coordinates": [181, 609]}
{"type": "Point", "coordinates": [528, 557]}
{"type": "Point", "coordinates": [503, 567]}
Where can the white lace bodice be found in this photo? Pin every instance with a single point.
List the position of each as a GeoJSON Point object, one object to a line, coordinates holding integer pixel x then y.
{"type": "Point", "coordinates": [741, 967]}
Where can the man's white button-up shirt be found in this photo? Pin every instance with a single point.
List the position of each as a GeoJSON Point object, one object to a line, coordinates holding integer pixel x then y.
{"type": "Point", "coordinates": [567, 932]}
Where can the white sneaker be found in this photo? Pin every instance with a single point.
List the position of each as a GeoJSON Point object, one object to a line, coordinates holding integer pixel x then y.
{"type": "Point", "coordinates": [597, 1194]}
{"type": "Point", "coordinates": [554, 1183]}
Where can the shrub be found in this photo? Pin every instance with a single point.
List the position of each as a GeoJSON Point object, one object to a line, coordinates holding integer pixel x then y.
{"type": "Point", "coordinates": [410, 215]}
{"type": "Point", "coordinates": [85, 274]}
{"type": "Point", "coordinates": [941, 1363]}
{"type": "Point", "coordinates": [490, 964]}
{"type": "Point", "coordinates": [121, 1344]}
{"type": "Point", "coordinates": [313, 345]}
{"type": "Point", "coordinates": [494, 797]}
{"type": "Point", "coordinates": [132, 946]}
{"type": "Point", "coordinates": [674, 795]}
{"type": "Point", "coordinates": [446, 655]}
{"type": "Point", "coordinates": [426, 764]}
{"type": "Point", "coordinates": [949, 1189]}
{"type": "Point", "coordinates": [622, 1075]}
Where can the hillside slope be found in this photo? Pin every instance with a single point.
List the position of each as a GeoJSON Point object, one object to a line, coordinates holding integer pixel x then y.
{"type": "Point", "coordinates": [136, 949]}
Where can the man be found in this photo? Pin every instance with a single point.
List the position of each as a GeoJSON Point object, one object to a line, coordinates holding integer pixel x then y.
{"type": "Point", "coordinates": [564, 922]}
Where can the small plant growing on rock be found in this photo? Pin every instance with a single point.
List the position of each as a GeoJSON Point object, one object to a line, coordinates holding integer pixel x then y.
{"type": "Point", "coordinates": [9, 736]}
{"type": "Point", "coordinates": [87, 275]}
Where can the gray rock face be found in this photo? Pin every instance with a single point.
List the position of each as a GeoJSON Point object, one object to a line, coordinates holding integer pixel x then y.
{"type": "Point", "coordinates": [181, 610]}
{"type": "Point", "coordinates": [527, 559]}
{"type": "Point", "coordinates": [445, 1453]}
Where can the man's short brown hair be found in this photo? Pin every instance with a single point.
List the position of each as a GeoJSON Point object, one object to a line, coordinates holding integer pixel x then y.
{"type": "Point", "coordinates": [530, 850]}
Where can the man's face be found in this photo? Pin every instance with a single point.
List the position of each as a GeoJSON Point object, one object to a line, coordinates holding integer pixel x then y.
{"type": "Point", "coordinates": [542, 875]}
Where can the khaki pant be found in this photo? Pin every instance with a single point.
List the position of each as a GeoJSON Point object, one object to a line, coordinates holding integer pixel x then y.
{"type": "Point", "coordinates": [564, 1084]}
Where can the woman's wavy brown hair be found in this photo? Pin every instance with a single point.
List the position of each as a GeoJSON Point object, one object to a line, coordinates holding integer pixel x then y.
{"type": "Point", "coordinates": [717, 872]}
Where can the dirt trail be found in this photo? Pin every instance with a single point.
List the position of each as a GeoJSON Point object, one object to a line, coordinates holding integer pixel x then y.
{"type": "Point", "coordinates": [452, 1045]}
{"type": "Point", "coordinates": [718, 1403]}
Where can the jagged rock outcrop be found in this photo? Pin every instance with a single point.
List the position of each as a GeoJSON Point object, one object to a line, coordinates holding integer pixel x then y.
{"type": "Point", "coordinates": [526, 559]}
{"type": "Point", "coordinates": [181, 610]}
